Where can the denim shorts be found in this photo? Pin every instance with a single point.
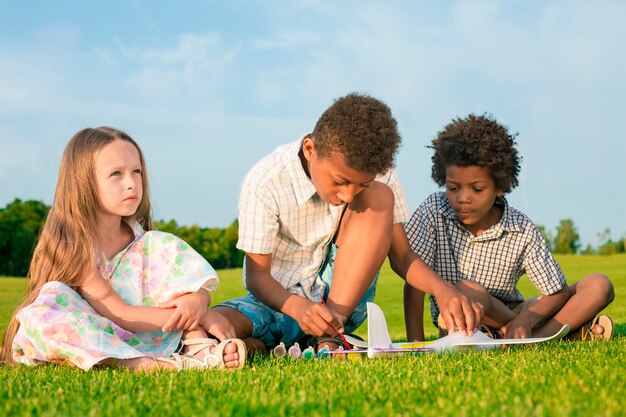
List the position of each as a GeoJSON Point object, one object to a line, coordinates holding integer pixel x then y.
{"type": "Point", "coordinates": [273, 327]}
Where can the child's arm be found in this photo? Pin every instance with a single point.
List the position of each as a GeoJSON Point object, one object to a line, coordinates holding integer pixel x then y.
{"type": "Point", "coordinates": [413, 313]}
{"type": "Point", "coordinates": [190, 308]}
{"type": "Point", "coordinates": [547, 306]}
{"type": "Point", "coordinates": [107, 302]}
{"type": "Point", "coordinates": [314, 318]}
{"type": "Point", "coordinates": [457, 310]}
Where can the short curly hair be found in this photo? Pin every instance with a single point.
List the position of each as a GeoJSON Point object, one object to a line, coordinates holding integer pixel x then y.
{"type": "Point", "coordinates": [362, 129]}
{"type": "Point", "coordinates": [477, 141]}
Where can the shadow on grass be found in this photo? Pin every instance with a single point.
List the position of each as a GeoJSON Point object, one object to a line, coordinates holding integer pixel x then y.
{"type": "Point", "coordinates": [620, 330]}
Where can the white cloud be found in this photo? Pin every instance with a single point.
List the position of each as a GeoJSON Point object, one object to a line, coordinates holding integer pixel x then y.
{"type": "Point", "coordinates": [287, 40]}
{"type": "Point", "coordinates": [197, 64]}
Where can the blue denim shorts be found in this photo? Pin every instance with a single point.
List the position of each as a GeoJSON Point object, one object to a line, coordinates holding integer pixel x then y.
{"type": "Point", "coordinates": [273, 327]}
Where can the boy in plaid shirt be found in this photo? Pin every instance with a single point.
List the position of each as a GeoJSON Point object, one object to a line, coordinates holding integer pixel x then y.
{"type": "Point", "coordinates": [316, 221]}
{"type": "Point", "coordinates": [472, 238]}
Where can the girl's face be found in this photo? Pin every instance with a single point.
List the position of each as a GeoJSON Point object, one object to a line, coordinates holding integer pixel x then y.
{"type": "Point", "coordinates": [118, 179]}
{"type": "Point", "coordinates": [472, 192]}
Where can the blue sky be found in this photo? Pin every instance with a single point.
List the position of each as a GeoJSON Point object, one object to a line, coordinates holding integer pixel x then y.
{"type": "Point", "coordinates": [209, 87]}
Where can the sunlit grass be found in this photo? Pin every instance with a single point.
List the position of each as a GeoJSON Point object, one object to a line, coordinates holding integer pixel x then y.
{"type": "Point", "coordinates": [553, 379]}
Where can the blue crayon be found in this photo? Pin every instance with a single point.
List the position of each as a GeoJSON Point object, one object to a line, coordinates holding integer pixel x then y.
{"type": "Point", "coordinates": [323, 352]}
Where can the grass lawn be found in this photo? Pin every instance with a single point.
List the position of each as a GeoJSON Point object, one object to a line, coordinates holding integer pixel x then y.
{"type": "Point", "coordinates": [553, 379]}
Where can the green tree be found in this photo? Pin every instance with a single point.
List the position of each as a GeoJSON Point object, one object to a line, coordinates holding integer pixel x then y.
{"type": "Point", "coordinates": [588, 250]}
{"type": "Point", "coordinates": [169, 226]}
{"type": "Point", "coordinates": [20, 223]}
{"type": "Point", "coordinates": [216, 245]}
{"type": "Point", "coordinates": [567, 239]}
{"type": "Point", "coordinates": [231, 236]}
{"type": "Point", "coordinates": [548, 237]}
{"type": "Point", "coordinates": [607, 245]}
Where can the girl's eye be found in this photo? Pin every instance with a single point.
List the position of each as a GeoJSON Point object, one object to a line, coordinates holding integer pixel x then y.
{"type": "Point", "coordinates": [450, 188]}
{"type": "Point", "coordinates": [478, 190]}
{"type": "Point", "coordinates": [116, 174]}
{"type": "Point", "coordinates": [137, 171]}
{"type": "Point", "coordinates": [339, 183]}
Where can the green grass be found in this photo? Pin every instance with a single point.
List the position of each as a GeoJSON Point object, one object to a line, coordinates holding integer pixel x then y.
{"type": "Point", "coordinates": [553, 379]}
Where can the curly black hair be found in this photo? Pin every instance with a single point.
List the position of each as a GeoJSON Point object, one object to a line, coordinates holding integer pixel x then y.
{"type": "Point", "coordinates": [477, 141]}
{"type": "Point", "coordinates": [362, 129]}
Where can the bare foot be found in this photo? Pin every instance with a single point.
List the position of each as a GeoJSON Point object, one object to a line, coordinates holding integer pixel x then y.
{"type": "Point", "coordinates": [231, 356]}
{"type": "Point", "coordinates": [602, 329]}
{"type": "Point", "coordinates": [141, 364]}
{"type": "Point", "coordinates": [597, 331]}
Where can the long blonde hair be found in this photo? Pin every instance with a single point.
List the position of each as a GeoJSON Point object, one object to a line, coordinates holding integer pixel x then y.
{"type": "Point", "coordinates": [65, 249]}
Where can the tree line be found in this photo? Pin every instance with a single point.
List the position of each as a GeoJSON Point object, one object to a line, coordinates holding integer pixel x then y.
{"type": "Point", "coordinates": [20, 222]}
{"type": "Point", "coordinates": [567, 240]}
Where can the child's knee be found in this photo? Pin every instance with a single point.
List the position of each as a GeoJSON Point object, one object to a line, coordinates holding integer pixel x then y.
{"type": "Point", "coordinates": [378, 197]}
{"type": "Point", "coordinates": [603, 286]}
{"type": "Point", "coordinates": [597, 287]}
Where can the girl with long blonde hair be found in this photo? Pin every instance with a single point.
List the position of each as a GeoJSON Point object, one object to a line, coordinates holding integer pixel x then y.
{"type": "Point", "coordinates": [104, 288]}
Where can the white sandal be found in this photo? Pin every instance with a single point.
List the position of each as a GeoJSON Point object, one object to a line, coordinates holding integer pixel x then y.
{"type": "Point", "coordinates": [215, 359]}
{"type": "Point", "coordinates": [181, 362]}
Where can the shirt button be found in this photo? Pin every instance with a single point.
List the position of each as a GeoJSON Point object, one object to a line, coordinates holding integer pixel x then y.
{"type": "Point", "coordinates": [467, 265]}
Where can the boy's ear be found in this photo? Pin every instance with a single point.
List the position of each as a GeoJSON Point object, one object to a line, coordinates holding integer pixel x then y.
{"type": "Point", "coordinates": [308, 147]}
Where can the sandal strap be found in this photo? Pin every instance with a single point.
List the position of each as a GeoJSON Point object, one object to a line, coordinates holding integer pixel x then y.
{"type": "Point", "coordinates": [186, 361]}
{"type": "Point", "coordinates": [242, 350]}
{"type": "Point", "coordinates": [212, 361]}
{"type": "Point", "coordinates": [200, 345]}
{"type": "Point", "coordinates": [585, 333]}
{"type": "Point", "coordinates": [174, 360]}
{"type": "Point", "coordinates": [602, 320]}
{"type": "Point", "coordinates": [191, 362]}
{"type": "Point", "coordinates": [200, 340]}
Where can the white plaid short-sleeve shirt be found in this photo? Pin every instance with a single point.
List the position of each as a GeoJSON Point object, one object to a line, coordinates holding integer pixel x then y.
{"type": "Point", "coordinates": [281, 214]}
{"type": "Point", "coordinates": [496, 259]}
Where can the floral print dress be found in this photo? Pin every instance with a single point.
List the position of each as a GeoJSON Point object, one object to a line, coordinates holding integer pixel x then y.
{"type": "Point", "coordinates": [61, 326]}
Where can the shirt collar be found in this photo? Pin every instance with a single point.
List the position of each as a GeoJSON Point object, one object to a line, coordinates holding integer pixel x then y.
{"type": "Point", "coordinates": [303, 186]}
{"type": "Point", "coordinates": [508, 222]}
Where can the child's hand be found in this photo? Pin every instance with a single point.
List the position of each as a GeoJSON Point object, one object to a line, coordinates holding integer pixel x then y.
{"type": "Point", "coordinates": [190, 308]}
{"type": "Point", "coordinates": [317, 319]}
{"type": "Point", "coordinates": [517, 328]}
{"type": "Point", "coordinates": [458, 311]}
{"type": "Point", "coordinates": [217, 325]}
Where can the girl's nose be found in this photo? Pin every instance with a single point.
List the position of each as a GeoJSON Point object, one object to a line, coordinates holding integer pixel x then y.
{"type": "Point", "coordinates": [131, 182]}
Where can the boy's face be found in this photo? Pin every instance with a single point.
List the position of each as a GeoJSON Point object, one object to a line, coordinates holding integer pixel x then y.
{"type": "Point", "coordinates": [472, 192]}
{"type": "Point", "coordinates": [335, 182]}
